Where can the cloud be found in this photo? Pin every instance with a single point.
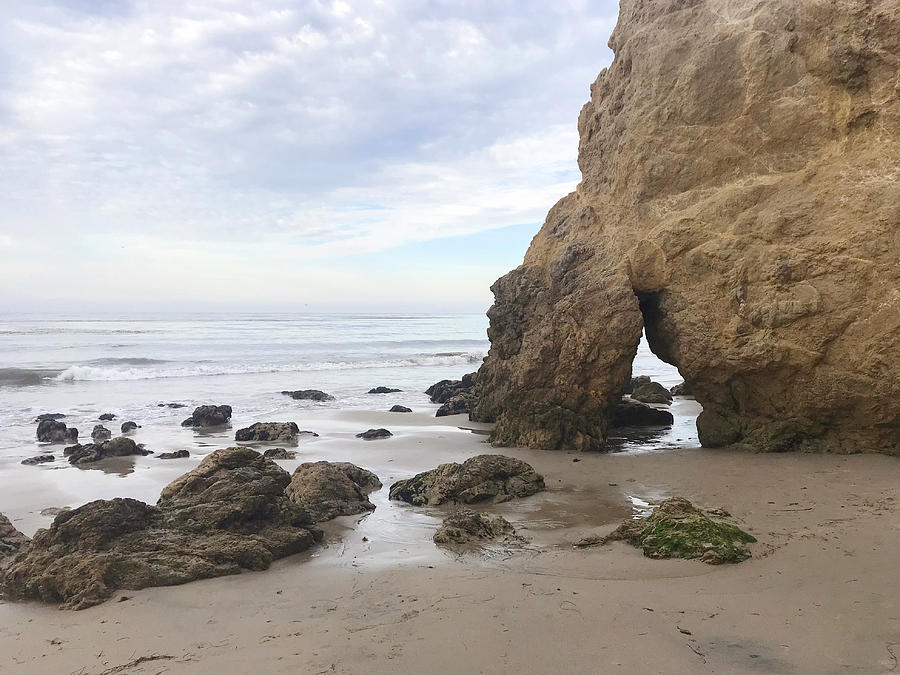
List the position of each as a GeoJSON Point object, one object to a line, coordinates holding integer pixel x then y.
{"type": "Point", "coordinates": [327, 128]}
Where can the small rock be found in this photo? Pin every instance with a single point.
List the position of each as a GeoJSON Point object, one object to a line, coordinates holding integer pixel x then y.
{"type": "Point", "coordinates": [630, 413]}
{"type": "Point", "coordinates": [175, 454]}
{"type": "Point", "coordinates": [383, 390]}
{"type": "Point", "coordinates": [326, 490]}
{"type": "Point", "coordinates": [106, 417]}
{"type": "Point", "coordinates": [100, 433]}
{"type": "Point", "coordinates": [49, 416]}
{"type": "Point", "coordinates": [466, 528]}
{"type": "Point", "coordinates": [281, 432]}
{"type": "Point", "coordinates": [94, 452]}
{"type": "Point", "coordinates": [51, 431]}
{"type": "Point", "coordinates": [279, 453]}
{"type": "Point", "coordinates": [443, 391]}
{"type": "Point", "coordinates": [171, 405]}
{"type": "Point", "coordinates": [373, 434]}
{"type": "Point", "coordinates": [308, 395]}
{"type": "Point", "coordinates": [400, 409]}
{"type": "Point", "coordinates": [209, 416]}
{"type": "Point", "coordinates": [39, 459]}
{"type": "Point", "coordinates": [651, 392]}
{"type": "Point", "coordinates": [682, 389]}
{"type": "Point", "coordinates": [129, 426]}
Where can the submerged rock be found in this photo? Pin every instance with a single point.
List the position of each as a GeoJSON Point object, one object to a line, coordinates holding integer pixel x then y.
{"type": "Point", "coordinates": [282, 432]}
{"type": "Point", "coordinates": [227, 515]}
{"type": "Point", "coordinates": [279, 453]}
{"type": "Point", "coordinates": [731, 206]}
{"type": "Point", "coordinates": [100, 433]}
{"type": "Point", "coordinates": [49, 416]}
{"type": "Point", "coordinates": [443, 391]}
{"type": "Point", "coordinates": [628, 413]}
{"type": "Point", "coordinates": [330, 489]}
{"type": "Point", "coordinates": [465, 529]}
{"type": "Point", "coordinates": [485, 477]}
{"type": "Point", "coordinates": [651, 392]}
{"type": "Point", "coordinates": [373, 434]}
{"type": "Point", "coordinates": [400, 409]}
{"type": "Point", "coordinates": [129, 426]}
{"type": "Point", "coordinates": [11, 540]}
{"type": "Point", "coordinates": [677, 529]}
{"type": "Point", "coordinates": [308, 395]}
{"type": "Point", "coordinates": [107, 417]}
{"type": "Point", "coordinates": [38, 459]}
{"type": "Point", "coordinates": [94, 452]}
{"type": "Point", "coordinates": [175, 454]}
{"type": "Point", "coordinates": [383, 390]}
{"type": "Point", "coordinates": [209, 416]}
{"type": "Point", "coordinates": [51, 431]}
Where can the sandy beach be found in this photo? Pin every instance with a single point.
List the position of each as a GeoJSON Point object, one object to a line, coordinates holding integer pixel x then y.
{"type": "Point", "coordinates": [819, 594]}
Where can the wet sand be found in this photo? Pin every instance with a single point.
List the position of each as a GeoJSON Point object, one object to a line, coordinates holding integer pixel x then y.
{"type": "Point", "coordinates": [820, 594]}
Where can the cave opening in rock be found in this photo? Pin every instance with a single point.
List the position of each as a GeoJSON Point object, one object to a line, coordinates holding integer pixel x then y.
{"type": "Point", "coordinates": [655, 359]}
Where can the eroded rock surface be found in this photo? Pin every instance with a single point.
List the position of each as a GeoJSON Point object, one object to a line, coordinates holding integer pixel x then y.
{"type": "Point", "coordinates": [174, 454]}
{"type": "Point", "coordinates": [330, 489]}
{"type": "Point", "coordinates": [100, 433]}
{"type": "Point", "coordinates": [651, 392]}
{"type": "Point", "coordinates": [94, 452]}
{"type": "Point", "coordinates": [739, 201]}
{"type": "Point", "coordinates": [37, 459]}
{"type": "Point", "coordinates": [466, 529]}
{"type": "Point", "coordinates": [227, 515]}
{"type": "Point", "coordinates": [209, 416]}
{"type": "Point", "coordinates": [279, 453]}
{"type": "Point", "coordinates": [11, 540]}
{"type": "Point", "coordinates": [308, 395]}
{"type": "Point", "coordinates": [484, 477]}
{"type": "Point", "coordinates": [282, 432]}
{"type": "Point", "coordinates": [52, 431]}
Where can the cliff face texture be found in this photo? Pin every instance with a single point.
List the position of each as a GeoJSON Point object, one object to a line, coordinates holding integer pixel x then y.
{"type": "Point", "coordinates": [740, 200]}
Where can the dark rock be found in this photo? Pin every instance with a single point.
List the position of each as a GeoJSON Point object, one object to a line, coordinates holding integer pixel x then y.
{"type": "Point", "coordinates": [383, 390]}
{"type": "Point", "coordinates": [282, 432]}
{"type": "Point", "coordinates": [227, 515]}
{"type": "Point", "coordinates": [39, 459]}
{"type": "Point", "coordinates": [209, 416]}
{"type": "Point", "coordinates": [308, 395]}
{"type": "Point", "coordinates": [485, 477]}
{"type": "Point", "coordinates": [175, 454]}
{"type": "Point", "coordinates": [677, 529]}
{"type": "Point", "coordinates": [54, 510]}
{"type": "Point", "coordinates": [400, 408]}
{"type": "Point", "coordinates": [94, 452]}
{"type": "Point", "coordinates": [100, 433]}
{"type": "Point", "coordinates": [629, 413]}
{"type": "Point", "coordinates": [330, 489]}
{"type": "Point", "coordinates": [49, 416]}
{"type": "Point", "coordinates": [106, 417]}
{"type": "Point", "coordinates": [373, 434]}
{"type": "Point", "coordinates": [682, 389]}
{"type": "Point", "coordinates": [651, 392]}
{"type": "Point", "coordinates": [11, 540]}
{"type": "Point", "coordinates": [463, 402]}
{"type": "Point", "coordinates": [171, 405]}
{"type": "Point", "coordinates": [636, 382]}
{"type": "Point", "coordinates": [51, 431]}
{"type": "Point", "coordinates": [465, 529]}
{"type": "Point", "coordinates": [443, 391]}
{"type": "Point", "coordinates": [129, 426]}
{"type": "Point", "coordinates": [279, 453]}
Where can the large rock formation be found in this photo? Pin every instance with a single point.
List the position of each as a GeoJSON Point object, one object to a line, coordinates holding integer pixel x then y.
{"type": "Point", "coordinates": [228, 514]}
{"type": "Point", "coordinates": [739, 201]}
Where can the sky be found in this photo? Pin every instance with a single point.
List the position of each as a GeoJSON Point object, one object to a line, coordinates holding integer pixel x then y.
{"type": "Point", "coordinates": [371, 155]}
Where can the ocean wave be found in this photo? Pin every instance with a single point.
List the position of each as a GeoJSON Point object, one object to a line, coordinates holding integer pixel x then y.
{"type": "Point", "coordinates": [126, 361]}
{"type": "Point", "coordinates": [82, 373]}
{"type": "Point", "coordinates": [24, 376]}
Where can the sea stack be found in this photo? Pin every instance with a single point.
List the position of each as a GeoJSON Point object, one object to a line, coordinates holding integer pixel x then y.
{"type": "Point", "coordinates": [739, 203]}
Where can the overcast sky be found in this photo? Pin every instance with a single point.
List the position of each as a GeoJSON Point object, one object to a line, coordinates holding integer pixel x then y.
{"type": "Point", "coordinates": [374, 155]}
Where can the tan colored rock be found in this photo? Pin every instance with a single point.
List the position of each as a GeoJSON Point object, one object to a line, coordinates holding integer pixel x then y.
{"type": "Point", "coordinates": [326, 490]}
{"type": "Point", "coordinates": [740, 199]}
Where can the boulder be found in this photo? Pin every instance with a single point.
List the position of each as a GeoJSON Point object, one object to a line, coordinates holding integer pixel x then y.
{"type": "Point", "coordinates": [400, 409]}
{"type": "Point", "coordinates": [129, 426]}
{"type": "Point", "coordinates": [308, 395]}
{"type": "Point", "coordinates": [651, 392]}
{"type": "Point", "coordinates": [175, 454]}
{"type": "Point", "coordinates": [279, 453]}
{"type": "Point", "coordinates": [443, 391]}
{"type": "Point", "coordinates": [11, 540]}
{"type": "Point", "coordinates": [677, 529]}
{"type": "Point", "coordinates": [38, 459]}
{"type": "Point", "coordinates": [628, 413]}
{"type": "Point", "coordinates": [636, 382]}
{"type": "Point", "coordinates": [49, 416]}
{"type": "Point", "coordinates": [51, 431]}
{"type": "Point", "coordinates": [494, 478]}
{"type": "Point", "coordinates": [227, 515]}
{"type": "Point", "coordinates": [107, 417]}
{"type": "Point", "coordinates": [734, 205]}
{"type": "Point", "coordinates": [100, 433]}
{"type": "Point", "coordinates": [383, 390]}
{"type": "Point", "coordinates": [209, 416]}
{"type": "Point", "coordinates": [373, 434]}
{"type": "Point", "coordinates": [282, 432]}
{"type": "Point", "coordinates": [94, 452]}
{"type": "Point", "coordinates": [326, 490]}
{"type": "Point", "coordinates": [683, 389]}
{"type": "Point", "coordinates": [464, 402]}
{"type": "Point", "coordinates": [466, 529]}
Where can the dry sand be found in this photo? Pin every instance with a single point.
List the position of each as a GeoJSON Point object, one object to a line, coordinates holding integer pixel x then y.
{"type": "Point", "coordinates": [820, 595]}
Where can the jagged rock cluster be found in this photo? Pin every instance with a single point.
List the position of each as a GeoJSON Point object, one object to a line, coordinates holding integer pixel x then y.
{"type": "Point", "coordinates": [740, 203]}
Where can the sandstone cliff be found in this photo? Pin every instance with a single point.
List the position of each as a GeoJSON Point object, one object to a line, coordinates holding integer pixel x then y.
{"type": "Point", "coordinates": [740, 199]}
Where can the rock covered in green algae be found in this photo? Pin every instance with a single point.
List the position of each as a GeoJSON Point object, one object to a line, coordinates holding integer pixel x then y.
{"type": "Point", "coordinates": [677, 529]}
